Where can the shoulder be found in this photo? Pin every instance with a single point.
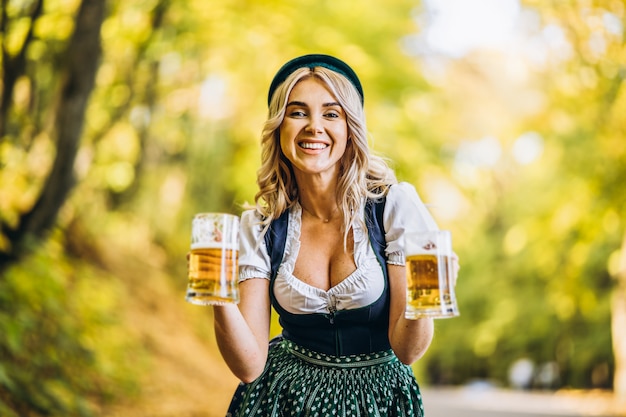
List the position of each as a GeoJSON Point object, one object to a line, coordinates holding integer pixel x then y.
{"type": "Point", "coordinates": [404, 209]}
{"type": "Point", "coordinates": [253, 257]}
{"type": "Point", "coordinates": [402, 193]}
{"type": "Point", "coordinates": [251, 216]}
{"type": "Point", "coordinates": [251, 223]}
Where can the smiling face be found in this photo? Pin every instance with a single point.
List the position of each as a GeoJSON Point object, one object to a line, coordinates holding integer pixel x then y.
{"type": "Point", "coordinates": [314, 132]}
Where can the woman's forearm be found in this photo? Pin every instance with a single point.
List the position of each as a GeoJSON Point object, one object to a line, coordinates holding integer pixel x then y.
{"type": "Point", "coordinates": [242, 332]}
{"type": "Point", "coordinates": [411, 338]}
{"type": "Point", "coordinates": [238, 344]}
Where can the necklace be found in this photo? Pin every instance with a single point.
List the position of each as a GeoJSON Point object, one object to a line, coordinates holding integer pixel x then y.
{"type": "Point", "coordinates": [323, 219]}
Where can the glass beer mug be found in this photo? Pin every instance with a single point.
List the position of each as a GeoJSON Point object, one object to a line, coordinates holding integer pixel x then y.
{"type": "Point", "coordinates": [429, 270]}
{"type": "Point", "coordinates": [213, 261]}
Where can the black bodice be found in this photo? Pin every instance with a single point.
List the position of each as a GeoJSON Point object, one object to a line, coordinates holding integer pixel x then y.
{"type": "Point", "coordinates": [344, 332]}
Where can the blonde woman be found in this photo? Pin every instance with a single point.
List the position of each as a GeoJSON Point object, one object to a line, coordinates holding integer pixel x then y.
{"type": "Point", "coordinates": [324, 248]}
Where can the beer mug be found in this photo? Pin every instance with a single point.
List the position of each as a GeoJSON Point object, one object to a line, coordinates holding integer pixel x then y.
{"type": "Point", "coordinates": [429, 271]}
{"type": "Point", "coordinates": [214, 259]}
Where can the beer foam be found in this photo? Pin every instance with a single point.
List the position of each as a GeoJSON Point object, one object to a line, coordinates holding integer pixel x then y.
{"type": "Point", "coordinates": [214, 245]}
{"type": "Point", "coordinates": [415, 251]}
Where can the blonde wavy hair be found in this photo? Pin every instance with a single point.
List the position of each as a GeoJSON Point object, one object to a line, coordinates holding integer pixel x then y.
{"type": "Point", "coordinates": [362, 175]}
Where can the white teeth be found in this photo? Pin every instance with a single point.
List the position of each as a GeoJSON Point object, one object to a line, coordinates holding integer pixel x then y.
{"type": "Point", "coordinates": [308, 145]}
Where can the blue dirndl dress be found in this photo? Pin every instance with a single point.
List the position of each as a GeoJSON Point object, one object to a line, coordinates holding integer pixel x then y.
{"type": "Point", "coordinates": [337, 364]}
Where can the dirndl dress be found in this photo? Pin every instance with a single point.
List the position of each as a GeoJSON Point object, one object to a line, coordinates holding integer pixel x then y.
{"type": "Point", "coordinates": [337, 364]}
{"type": "Point", "coordinates": [299, 382]}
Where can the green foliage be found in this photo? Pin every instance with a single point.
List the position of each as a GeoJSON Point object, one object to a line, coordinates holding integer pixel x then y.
{"type": "Point", "coordinates": [537, 277]}
{"type": "Point", "coordinates": [62, 351]}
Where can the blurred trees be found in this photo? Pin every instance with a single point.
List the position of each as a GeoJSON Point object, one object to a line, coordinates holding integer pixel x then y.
{"type": "Point", "coordinates": [544, 180]}
{"type": "Point", "coordinates": [589, 118]}
{"type": "Point", "coordinates": [76, 65]}
{"type": "Point", "coordinates": [48, 316]}
{"type": "Point", "coordinates": [520, 154]}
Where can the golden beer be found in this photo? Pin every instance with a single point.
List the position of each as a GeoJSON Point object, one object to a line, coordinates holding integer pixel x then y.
{"type": "Point", "coordinates": [213, 265]}
{"type": "Point", "coordinates": [427, 294]}
{"type": "Point", "coordinates": [213, 275]}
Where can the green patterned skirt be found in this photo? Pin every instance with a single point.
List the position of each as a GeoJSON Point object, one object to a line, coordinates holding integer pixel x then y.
{"type": "Point", "coordinates": [298, 382]}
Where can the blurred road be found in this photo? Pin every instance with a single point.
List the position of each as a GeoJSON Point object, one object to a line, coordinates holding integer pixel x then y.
{"type": "Point", "coordinates": [494, 402]}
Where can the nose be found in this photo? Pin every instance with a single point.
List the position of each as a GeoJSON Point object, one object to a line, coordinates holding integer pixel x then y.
{"type": "Point", "coordinates": [315, 125]}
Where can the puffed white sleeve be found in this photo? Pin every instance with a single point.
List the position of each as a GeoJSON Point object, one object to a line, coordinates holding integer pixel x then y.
{"type": "Point", "coordinates": [404, 212]}
{"type": "Point", "coordinates": [254, 261]}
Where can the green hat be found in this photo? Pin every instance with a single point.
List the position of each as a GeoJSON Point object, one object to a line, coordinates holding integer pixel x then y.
{"type": "Point", "coordinates": [312, 61]}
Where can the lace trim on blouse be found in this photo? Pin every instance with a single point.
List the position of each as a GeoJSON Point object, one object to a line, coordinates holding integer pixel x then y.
{"type": "Point", "coordinates": [361, 288]}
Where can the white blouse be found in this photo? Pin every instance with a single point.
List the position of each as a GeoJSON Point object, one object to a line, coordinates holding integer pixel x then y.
{"type": "Point", "coordinates": [404, 211]}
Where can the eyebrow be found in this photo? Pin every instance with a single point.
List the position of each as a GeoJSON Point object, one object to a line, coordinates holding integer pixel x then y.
{"type": "Point", "coordinates": [303, 104]}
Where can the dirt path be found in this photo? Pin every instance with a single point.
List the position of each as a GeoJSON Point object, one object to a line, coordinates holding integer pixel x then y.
{"type": "Point", "coordinates": [186, 376]}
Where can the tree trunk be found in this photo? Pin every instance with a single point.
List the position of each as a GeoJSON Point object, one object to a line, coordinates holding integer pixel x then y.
{"type": "Point", "coordinates": [14, 66]}
{"type": "Point", "coordinates": [618, 327]}
{"type": "Point", "coordinates": [81, 63]}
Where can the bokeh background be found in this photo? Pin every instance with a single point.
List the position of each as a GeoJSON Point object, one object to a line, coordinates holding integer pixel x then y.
{"type": "Point", "coordinates": [121, 119]}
